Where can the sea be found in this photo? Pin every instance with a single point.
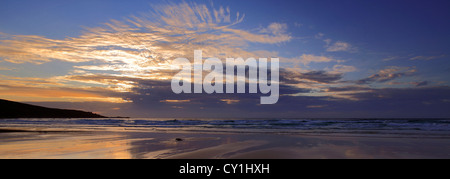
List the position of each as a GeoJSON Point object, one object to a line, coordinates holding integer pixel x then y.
{"type": "Point", "coordinates": [354, 127]}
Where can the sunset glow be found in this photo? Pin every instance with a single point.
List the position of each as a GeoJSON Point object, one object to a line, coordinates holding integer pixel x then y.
{"type": "Point", "coordinates": [337, 59]}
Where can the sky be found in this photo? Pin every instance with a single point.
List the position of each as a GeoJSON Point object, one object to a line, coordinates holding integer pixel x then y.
{"type": "Point", "coordinates": [338, 59]}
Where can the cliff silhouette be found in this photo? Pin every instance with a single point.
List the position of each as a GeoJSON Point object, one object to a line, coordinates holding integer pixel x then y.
{"type": "Point", "coordinates": [10, 109]}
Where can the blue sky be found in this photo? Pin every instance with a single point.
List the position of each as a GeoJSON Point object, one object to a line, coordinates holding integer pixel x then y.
{"type": "Point", "coordinates": [387, 56]}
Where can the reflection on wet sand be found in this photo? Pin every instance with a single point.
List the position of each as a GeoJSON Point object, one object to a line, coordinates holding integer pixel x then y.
{"type": "Point", "coordinates": [151, 144]}
{"type": "Point", "coordinates": [68, 146]}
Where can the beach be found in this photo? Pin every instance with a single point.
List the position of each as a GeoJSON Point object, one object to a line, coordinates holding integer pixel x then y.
{"type": "Point", "coordinates": [115, 142]}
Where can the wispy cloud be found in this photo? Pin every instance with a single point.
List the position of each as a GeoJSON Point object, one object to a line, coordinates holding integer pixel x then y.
{"type": "Point", "coordinates": [175, 101]}
{"type": "Point", "coordinates": [340, 46]}
{"type": "Point", "coordinates": [426, 57]}
{"type": "Point", "coordinates": [230, 101]}
{"type": "Point", "coordinates": [413, 83]}
{"type": "Point", "coordinates": [343, 68]}
{"type": "Point", "coordinates": [127, 60]}
{"type": "Point", "coordinates": [319, 35]}
{"type": "Point", "coordinates": [388, 74]}
{"type": "Point", "coordinates": [275, 29]}
{"type": "Point", "coordinates": [169, 31]}
{"type": "Point", "coordinates": [306, 59]}
{"type": "Point", "coordinates": [316, 106]}
{"type": "Point", "coordinates": [6, 68]}
{"type": "Point", "coordinates": [62, 94]}
{"type": "Point", "coordinates": [125, 53]}
{"type": "Point", "coordinates": [390, 58]}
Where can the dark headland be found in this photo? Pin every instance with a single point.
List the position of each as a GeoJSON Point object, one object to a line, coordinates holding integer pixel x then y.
{"type": "Point", "coordinates": [10, 109]}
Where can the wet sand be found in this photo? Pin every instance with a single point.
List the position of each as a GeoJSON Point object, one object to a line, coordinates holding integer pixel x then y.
{"type": "Point", "coordinates": [123, 144]}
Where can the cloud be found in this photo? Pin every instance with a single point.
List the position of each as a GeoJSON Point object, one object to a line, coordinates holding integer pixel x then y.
{"type": "Point", "coordinates": [390, 58]}
{"type": "Point", "coordinates": [30, 81]}
{"type": "Point", "coordinates": [167, 32]}
{"type": "Point", "coordinates": [175, 101]}
{"type": "Point", "coordinates": [128, 60]}
{"type": "Point", "coordinates": [221, 15]}
{"type": "Point", "coordinates": [321, 76]}
{"type": "Point", "coordinates": [421, 83]}
{"type": "Point", "coordinates": [275, 29]}
{"type": "Point", "coordinates": [122, 55]}
{"type": "Point", "coordinates": [277, 37]}
{"type": "Point", "coordinates": [309, 78]}
{"type": "Point", "coordinates": [319, 35]}
{"type": "Point", "coordinates": [54, 94]}
{"type": "Point", "coordinates": [230, 101]}
{"type": "Point", "coordinates": [371, 103]}
{"type": "Point", "coordinates": [388, 74]}
{"type": "Point", "coordinates": [327, 42]}
{"type": "Point", "coordinates": [323, 85]}
{"type": "Point", "coordinates": [353, 88]}
{"type": "Point", "coordinates": [331, 86]}
{"type": "Point", "coordinates": [340, 46]}
{"type": "Point", "coordinates": [306, 59]}
{"type": "Point", "coordinates": [426, 57]}
{"type": "Point", "coordinates": [413, 83]}
{"type": "Point", "coordinates": [316, 106]}
{"type": "Point", "coordinates": [343, 68]}
{"type": "Point", "coordinates": [6, 69]}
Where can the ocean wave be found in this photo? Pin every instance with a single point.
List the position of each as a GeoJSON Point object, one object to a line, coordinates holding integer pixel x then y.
{"type": "Point", "coordinates": [417, 126]}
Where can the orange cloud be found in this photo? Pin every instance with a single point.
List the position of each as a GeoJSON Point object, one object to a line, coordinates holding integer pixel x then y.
{"type": "Point", "coordinates": [122, 52]}
{"type": "Point", "coordinates": [230, 101]}
{"type": "Point", "coordinates": [174, 101]}
{"type": "Point", "coordinates": [55, 94]}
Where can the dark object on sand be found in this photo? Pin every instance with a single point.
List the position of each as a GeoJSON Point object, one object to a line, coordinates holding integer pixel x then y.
{"type": "Point", "coordinates": [10, 109]}
{"type": "Point", "coordinates": [179, 139]}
